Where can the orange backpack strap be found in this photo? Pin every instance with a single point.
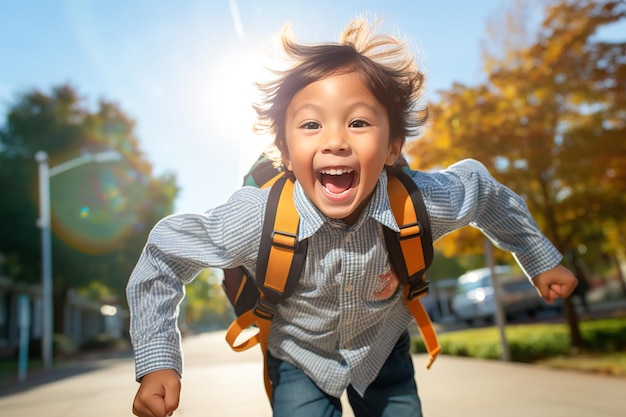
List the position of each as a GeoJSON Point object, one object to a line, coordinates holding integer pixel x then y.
{"type": "Point", "coordinates": [279, 264]}
{"type": "Point", "coordinates": [281, 255]}
{"type": "Point", "coordinates": [411, 251]}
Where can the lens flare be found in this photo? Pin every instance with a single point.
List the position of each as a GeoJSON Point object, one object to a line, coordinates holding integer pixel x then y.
{"type": "Point", "coordinates": [95, 208]}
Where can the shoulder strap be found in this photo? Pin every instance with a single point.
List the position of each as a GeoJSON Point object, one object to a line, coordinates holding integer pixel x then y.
{"type": "Point", "coordinates": [281, 256]}
{"type": "Point", "coordinates": [410, 249]}
{"type": "Point", "coordinates": [411, 252]}
{"type": "Point", "coordinates": [279, 264]}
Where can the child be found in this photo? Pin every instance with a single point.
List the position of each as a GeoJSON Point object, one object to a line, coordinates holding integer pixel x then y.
{"type": "Point", "coordinates": [339, 116]}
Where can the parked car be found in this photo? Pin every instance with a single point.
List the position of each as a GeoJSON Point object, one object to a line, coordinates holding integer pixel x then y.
{"type": "Point", "coordinates": [474, 300]}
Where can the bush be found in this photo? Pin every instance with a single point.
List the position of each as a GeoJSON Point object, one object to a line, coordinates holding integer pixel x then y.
{"type": "Point", "coordinates": [62, 345]}
{"type": "Point", "coordinates": [531, 342]}
{"type": "Point", "coordinates": [604, 335]}
{"type": "Point", "coordinates": [104, 342]}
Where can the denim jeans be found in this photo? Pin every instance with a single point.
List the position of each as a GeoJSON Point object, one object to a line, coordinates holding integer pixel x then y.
{"type": "Point", "coordinates": [392, 394]}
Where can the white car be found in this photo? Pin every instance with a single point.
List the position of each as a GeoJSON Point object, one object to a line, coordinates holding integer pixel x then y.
{"type": "Point", "coordinates": [474, 301]}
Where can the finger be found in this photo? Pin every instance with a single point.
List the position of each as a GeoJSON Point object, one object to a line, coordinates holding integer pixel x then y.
{"type": "Point", "coordinates": [147, 405]}
{"type": "Point", "coordinates": [172, 398]}
{"type": "Point", "coordinates": [543, 291]}
{"type": "Point", "coordinates": [552, 295]}
{"type": "Point", "coordinates": [171, 403]}
{"type": "Point", "coordinates": [142, 411]}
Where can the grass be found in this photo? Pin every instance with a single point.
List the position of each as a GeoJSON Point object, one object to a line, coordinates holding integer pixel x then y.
{"type": "Point", "coordinates": [613, 363]}
{"type": "Point", "coordinates": [545, 344]}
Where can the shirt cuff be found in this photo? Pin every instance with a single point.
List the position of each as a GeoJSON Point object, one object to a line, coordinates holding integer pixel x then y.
{"type": "Point", "coordinates": [541, 257]}
{"type": "Point", "coordinates": [158, 355]}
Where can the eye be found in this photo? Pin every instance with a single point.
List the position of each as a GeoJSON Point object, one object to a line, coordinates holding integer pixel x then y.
{"type": "Point", "coordinates": [310, 125]}
{"type": "Point", "coordinates": [359, 123]}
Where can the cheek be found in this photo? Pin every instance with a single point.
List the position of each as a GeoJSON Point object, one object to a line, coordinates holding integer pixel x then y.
{"type": "Point", "coordinates": [297, 163]}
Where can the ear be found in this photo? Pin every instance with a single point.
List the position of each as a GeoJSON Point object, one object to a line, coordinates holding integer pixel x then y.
{"type": "Point", "coordinates": [287, 162]}
{"type": "Point", "coordinates": [395, 148]}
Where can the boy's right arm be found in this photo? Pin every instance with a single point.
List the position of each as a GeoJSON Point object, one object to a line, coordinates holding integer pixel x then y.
{"type": "Point", "coordinates": [158, 394]}
{"type": "Point", "coordinates": [177, 249]}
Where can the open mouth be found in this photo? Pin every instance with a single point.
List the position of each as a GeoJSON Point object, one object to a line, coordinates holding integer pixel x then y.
{"type": "Point", "coordinates": [337, 181]}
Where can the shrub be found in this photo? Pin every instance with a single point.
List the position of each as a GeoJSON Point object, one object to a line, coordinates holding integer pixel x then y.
{"type": "Point", "coordinates": [604, 335]}
{"type": "Point", "coordinates": [104, 342]}
{"type": "Point", "coordinates": [531, 342]}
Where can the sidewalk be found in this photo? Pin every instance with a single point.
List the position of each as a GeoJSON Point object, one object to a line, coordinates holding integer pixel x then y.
{"type": "Point", "coordinates": [223, 383]}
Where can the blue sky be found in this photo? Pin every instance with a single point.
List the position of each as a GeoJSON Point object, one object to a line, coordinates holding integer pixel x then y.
{"type": "Point", "coordinates": [184, 70]}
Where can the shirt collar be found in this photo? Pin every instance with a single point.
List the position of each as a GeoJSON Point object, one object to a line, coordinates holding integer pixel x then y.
{"type": "Point", "coordinates": [378, 208]}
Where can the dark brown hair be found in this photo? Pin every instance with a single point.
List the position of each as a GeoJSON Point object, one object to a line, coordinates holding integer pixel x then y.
{"type": "Point", "coordinates": [382, 61]}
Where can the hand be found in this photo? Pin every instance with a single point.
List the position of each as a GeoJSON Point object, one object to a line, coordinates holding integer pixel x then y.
{"type": "Point", "coordinates": [158, 394]}
{"type": "Point", "coordinates": [554, 283]}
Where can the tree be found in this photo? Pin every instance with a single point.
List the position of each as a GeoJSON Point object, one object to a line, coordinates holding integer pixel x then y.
{"type": "Point", "coordinates": [549, 123]}
{"type": "Point", "coordinates": [206, 304]}
{"type": "Point", "coordinates": [101, 213]}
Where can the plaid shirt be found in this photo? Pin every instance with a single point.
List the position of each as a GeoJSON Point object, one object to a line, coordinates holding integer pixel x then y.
{"type": "Point", "coordinates": [346, 314]}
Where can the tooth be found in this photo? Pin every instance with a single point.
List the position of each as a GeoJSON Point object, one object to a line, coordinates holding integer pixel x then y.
{"type": "Point", "coordinates": [333, 171]}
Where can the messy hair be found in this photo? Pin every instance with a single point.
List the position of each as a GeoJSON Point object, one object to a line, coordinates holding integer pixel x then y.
{"type": "Point", "coordinates": [382, 61]}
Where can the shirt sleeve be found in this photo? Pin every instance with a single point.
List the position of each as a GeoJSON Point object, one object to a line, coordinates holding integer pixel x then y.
{"type": "Point", "coordinates": [466, 194]}
{"type": "Point", "coordinates": [177, 249]}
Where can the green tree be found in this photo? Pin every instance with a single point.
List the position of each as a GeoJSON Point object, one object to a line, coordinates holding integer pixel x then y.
{"type": "Point", "coordinates": [101, 213]}
{"type": "Point", "coordinates": [550, 123]}
{"type": "Point", "coordinates": [206, 304]}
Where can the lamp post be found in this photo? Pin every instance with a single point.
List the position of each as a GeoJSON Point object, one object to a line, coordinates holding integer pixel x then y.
{"type": "Point", "coordinates": [45, 173]}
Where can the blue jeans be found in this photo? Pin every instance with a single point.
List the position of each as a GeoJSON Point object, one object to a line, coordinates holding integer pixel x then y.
{"type": "Point", "coordinates": [392, 394]}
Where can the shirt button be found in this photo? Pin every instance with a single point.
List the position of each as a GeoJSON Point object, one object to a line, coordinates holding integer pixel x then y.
{"type": "Point", "coordinates": [349, 288]}
{"type": "Point", "coordinates": [348, 238]}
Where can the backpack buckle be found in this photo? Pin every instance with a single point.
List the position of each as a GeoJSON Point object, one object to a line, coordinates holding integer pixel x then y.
{"type": "Point", "coordinates": [264, 309]}
{"type": "Point", "coordinates": [418, 288]}
{"type": "Point", "coordinates": [284, 240]}
{"type": "Point", "coordinates": [410, 230]}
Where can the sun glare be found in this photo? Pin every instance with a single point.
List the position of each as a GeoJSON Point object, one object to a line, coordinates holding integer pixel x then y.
{"type": "Point", "coordinates": [227, 102]}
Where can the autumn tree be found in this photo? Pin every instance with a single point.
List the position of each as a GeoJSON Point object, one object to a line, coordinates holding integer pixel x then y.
{"type": "Point", "coordinates": [549, 122]}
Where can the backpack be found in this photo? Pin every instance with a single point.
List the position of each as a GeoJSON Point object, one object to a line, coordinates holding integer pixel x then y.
{"type": "Point", "coordinates": [281, 258]}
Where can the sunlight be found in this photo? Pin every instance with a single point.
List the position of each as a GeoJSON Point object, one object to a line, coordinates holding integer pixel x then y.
{"type": "Point", "coordinates": [227, 102]}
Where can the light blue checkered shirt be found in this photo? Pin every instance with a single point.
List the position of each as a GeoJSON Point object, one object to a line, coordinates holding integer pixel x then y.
{"type": "Point", "coordinates": [345, 316]}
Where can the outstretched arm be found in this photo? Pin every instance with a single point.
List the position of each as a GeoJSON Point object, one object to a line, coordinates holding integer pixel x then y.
{"type": "Point", "coordinates": [158, 394]}
{"type": "Point", "coordinates": [554, 283]}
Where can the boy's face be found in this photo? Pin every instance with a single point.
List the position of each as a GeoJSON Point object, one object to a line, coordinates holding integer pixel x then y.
{"type": "Point", "coordinates": [338, 143]}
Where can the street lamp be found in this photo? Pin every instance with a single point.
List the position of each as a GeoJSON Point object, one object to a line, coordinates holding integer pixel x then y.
{"type": "Point", "coordinates": [45, 173]}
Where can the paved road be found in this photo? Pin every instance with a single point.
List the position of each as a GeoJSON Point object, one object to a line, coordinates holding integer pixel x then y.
{"type": "Point", "coordinates": [219, 382]}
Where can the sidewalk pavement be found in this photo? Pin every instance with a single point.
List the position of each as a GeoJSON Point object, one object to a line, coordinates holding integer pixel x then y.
{"type": "Point", "coordinates": [219, 382]}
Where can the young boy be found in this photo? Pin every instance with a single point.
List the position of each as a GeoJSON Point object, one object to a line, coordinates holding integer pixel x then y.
{"type": "Point", "coordinates": [339, 116]}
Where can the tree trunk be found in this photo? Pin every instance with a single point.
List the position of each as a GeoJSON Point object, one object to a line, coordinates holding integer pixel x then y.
{"type": "Point", "coordinates": [576, 338]}
{"type": "Point", "coordinates": [571, 317]}
{"type": "Point", "coordinates": [621, 268]}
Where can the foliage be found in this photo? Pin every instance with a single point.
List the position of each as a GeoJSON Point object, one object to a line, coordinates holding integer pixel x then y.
{"type": "Point", "coordinates": [549, 123]}
{"type": "Point", "coordinates": [62, 345]}
{"type": "Point", "coordinates": [445, 267]}
{"type": "Point", "coordinates": [206, 304]}
{"type": "Point", "coordinates": [101, 212]}
{"type": "Point", "coordinates": [532, 342]}
{"type": "Point", "coordinates": [105, 341]}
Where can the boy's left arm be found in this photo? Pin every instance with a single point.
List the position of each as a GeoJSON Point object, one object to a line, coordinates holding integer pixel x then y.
{"type": "Point", "coordinates": [554, 283]}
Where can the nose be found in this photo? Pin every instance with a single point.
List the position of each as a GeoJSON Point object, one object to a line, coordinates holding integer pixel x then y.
{"type": "Point", "coordinates": [335, 141]}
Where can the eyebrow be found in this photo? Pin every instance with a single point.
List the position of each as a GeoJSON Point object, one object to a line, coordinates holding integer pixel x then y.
{"type": "Point", "coordinates": [352, 107]}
